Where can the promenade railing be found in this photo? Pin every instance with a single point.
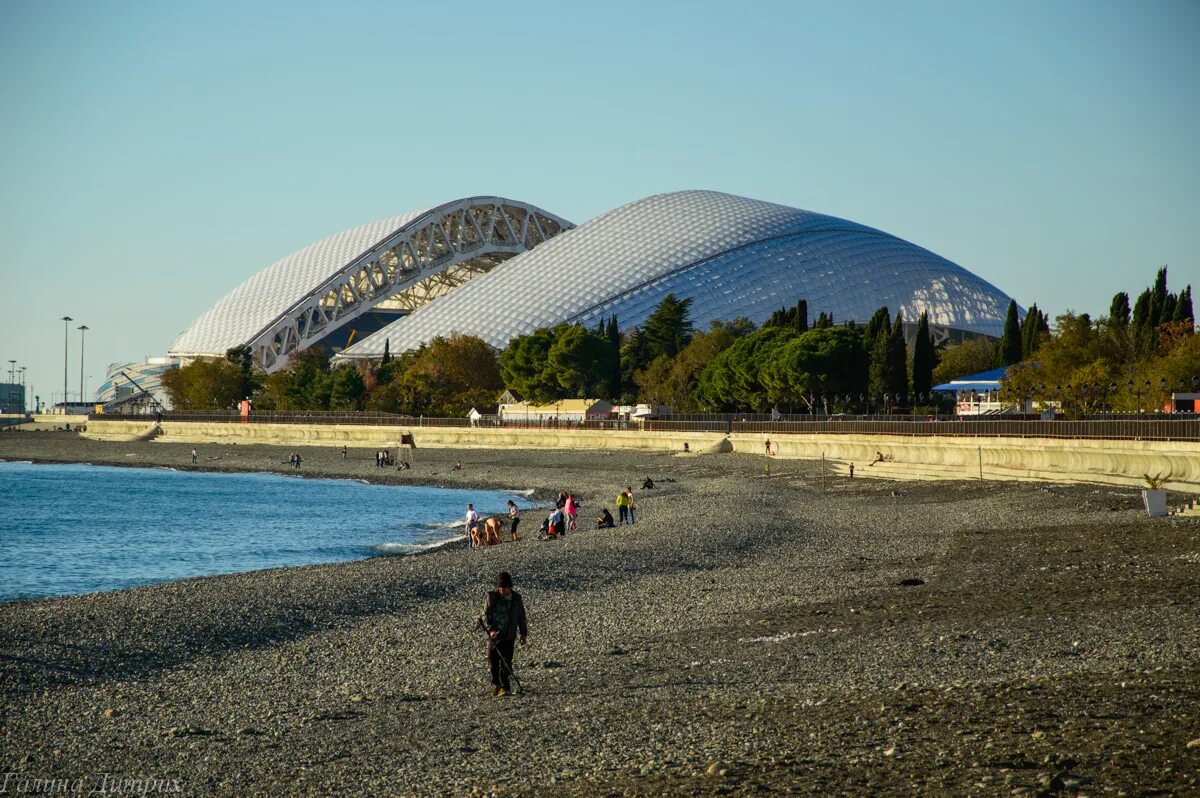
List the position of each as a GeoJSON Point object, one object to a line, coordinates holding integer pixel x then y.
{"type": "Point", "coordinates": [1162, 427]}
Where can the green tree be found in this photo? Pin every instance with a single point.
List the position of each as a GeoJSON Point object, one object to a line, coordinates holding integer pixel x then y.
{"type": "Point", "coordinates": [971, 356]}
{"type": "Point", "coordinates": [668, 329]}
{"type": "Point", "coordinates": [243, 358]}
{"type": "Point", "coordinates": [1118, 311]}
{"type": "Point", "coordinates": [346, 387]}
{"type": "Point", "coordinates": [204, 386]}
{"type": "Point", "coordinates": [924, 357]}
{"type": "Point", "coordinates": [1009, 350]}
{"type": "Point", "coordinates": [446, 377]}
{"type": "Point", "coordinates": [819, 363]}
{"type": "Point", "coordinates": [733, 379]}
{"type": "Point", "coordinates": [1033, 330]}
{"type": "Point", "coordinates": [880, 321]}
{"type": "Point", "coordinates": [523, 366]}
{"type": "Point", "coordinates": [674, 381]}
{"type": "Point", "coordinates": [795, 317]}
{"type": "Point", "coordinates": [580, 362]}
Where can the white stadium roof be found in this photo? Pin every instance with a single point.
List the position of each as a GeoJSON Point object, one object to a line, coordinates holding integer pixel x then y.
{"type": "Point", "coordinates": [299, 299]}
{"type": "Point", "coordinates": [731, 255]}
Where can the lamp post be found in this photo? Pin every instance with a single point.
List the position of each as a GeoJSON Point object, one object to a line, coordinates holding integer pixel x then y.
{"type": "Point", "coordinates": [66, 339]}
{"type": "Point", "coordinates": [83, 328]}
{"type": "Point", "coordinates": [12, 368]}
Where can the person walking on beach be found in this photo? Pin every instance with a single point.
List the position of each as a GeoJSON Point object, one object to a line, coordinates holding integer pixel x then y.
{"type": "Point", "coordinates": [343, 454]}
{"type": "Point", "coordinates": [504, 616]}
{"type": "Point", "coordinates": [622, 508]}
{"type": "Point", "coordinates": [629, 495]}
{"type": "Point", "coordinates": [571, 506]}
{"type": "Point", "coordinates": [514, 517]}
{"type": "Point", "coordinates": [195, 456]}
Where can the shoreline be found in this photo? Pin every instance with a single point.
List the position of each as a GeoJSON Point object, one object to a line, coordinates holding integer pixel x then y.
{"type": "Point", "coordinates": [454, 538]}
{"type": "Point", "coordinates": [752, 634]}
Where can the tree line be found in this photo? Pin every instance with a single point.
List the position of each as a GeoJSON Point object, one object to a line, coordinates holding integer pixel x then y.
{"type": "Point", "coordinates": [732, 366]}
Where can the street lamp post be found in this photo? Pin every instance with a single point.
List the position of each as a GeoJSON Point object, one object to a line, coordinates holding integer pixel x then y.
{"type": "Point", "coordinates": [12, 370]}
{"type": "Point", "coordinates": [83, 328]}
{"type": "Point", "coordinates": [66, 340]}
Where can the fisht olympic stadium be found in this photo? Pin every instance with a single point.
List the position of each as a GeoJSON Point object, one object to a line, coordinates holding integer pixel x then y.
{"type": "Point", "coordinates": [498, 268]}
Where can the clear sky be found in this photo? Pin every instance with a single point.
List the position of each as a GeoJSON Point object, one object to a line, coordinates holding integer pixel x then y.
{"type": "Point", "coordinates": [155, 154]}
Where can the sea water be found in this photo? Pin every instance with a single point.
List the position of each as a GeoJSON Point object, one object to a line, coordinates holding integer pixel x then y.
{"type": "Point", "coordinates": [69, 529]}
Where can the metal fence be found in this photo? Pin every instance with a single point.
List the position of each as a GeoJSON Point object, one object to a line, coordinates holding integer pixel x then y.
{"type": "Point", "coordinates": [1158, 427]}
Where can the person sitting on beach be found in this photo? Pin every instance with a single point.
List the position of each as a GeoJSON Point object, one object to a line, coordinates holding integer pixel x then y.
{"type": "Point", "coordinates": [458, 465]}
{"type": "Point", "coordinates": [647, 483]}
{"type": "Point", "coordinates": [514, 517]}
{"type": "Point", "coordinates": [686, 448]}
{"type": "Point", "coordinates": [492, 531]}
{"type": "Point", "coordinates": [605, 520]}
{"type": "Point", "coordinates": [544, 529]}
{"type": "Point", "coordinates": [555, 528]}
{"type": "Point", "coordinates": [878, 459]}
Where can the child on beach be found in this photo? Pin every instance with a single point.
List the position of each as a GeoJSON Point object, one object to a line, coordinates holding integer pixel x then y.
{"type": "Point", "coordinates": [572, 507]}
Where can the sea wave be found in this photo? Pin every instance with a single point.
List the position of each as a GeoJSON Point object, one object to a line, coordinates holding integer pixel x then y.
{"type": "Point", "coordinates": [403, 549]}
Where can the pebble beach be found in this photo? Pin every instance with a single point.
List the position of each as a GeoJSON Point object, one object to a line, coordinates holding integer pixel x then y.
{"type": "Point", "coordinates": [765, 628]}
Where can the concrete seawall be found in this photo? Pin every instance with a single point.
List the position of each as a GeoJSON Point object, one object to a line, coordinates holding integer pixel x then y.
{"type": "Point", "coordinates": [1115, 462]}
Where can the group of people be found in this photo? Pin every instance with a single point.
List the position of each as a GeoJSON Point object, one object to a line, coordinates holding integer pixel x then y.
{"type": "Point", "coordinates": [486, 531]}
{"type": "Point", "coordinates": [295, 460]}
{"type": "Point", "coordinates": [384, 459]}
{"type": "Point", "coordinates": [483, 531]}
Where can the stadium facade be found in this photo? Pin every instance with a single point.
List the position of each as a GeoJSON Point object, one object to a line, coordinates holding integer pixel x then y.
{"type": "Point", "coordinates": [364, 278]}
{"type": "Point", "coordinates": [138, 382]}
{"type": "Point", "coordinates": [732, 256]}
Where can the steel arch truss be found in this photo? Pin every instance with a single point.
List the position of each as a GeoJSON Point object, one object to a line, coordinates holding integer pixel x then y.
{"type": "Point", "coordinates": [425, 259]}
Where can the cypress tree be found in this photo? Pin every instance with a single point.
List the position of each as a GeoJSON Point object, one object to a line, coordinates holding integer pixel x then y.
{"type": "Point", "coordinates": [613, 334]}
{"type": "Point", "coordinates": [801, 320]}
{"type": "Point", "coordinates": [880, 320]}
{"type": "Point", "coordinates": [877, 368]}
{"type": "Point", "coordinates": [1158, 299]}
{"type": "Point", "coordinates": [1030, 330]}
{"type": "Point", "coordinates": [1168, 308]}
{"type": "Point", "coordinates": [924, 357]}
{"type": "Point", "coordinates": [387, 352]}
{"type": "Point", "coordinates": [1009, 350]}
{"type": "Point", "coordinates": [824, 320]}
{"type": "Point", "coordinates": [897, 359]}
{"type": "Point", "coordinates": [1183, 308]}
{"type": "Point", "coordinates": [1118, 312]}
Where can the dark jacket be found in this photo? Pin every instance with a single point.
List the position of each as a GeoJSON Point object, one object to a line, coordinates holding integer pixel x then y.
{"type": "Point", "coordinates": [516, 616]}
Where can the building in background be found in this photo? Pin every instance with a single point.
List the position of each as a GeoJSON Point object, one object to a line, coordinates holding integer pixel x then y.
{"type": "Point", "coordinates": [731, 256]}
{"type": "Point", "coordinates": [498, 268]}
{"type": "Point", "coordinates": [12, 398]}
{"type": "Point", "coordinates": [136, 386]}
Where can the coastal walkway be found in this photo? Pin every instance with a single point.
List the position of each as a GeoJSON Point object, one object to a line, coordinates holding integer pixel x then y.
{"type": "Point", "coordinates": [1075, 452]}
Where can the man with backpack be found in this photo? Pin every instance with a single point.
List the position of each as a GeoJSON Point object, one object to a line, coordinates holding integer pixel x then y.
{"type": "Point", "coordinates": [504, 617]}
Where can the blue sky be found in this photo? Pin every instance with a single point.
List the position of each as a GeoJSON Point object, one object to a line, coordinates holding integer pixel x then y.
{"type": "Point", "coordinates": [154, 154]}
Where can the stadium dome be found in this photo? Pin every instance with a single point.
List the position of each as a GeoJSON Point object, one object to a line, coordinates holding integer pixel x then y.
{"type": "Point", "coordinates": [361, 279]}
{"type": "Point", "coordinates": [732, 256]}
